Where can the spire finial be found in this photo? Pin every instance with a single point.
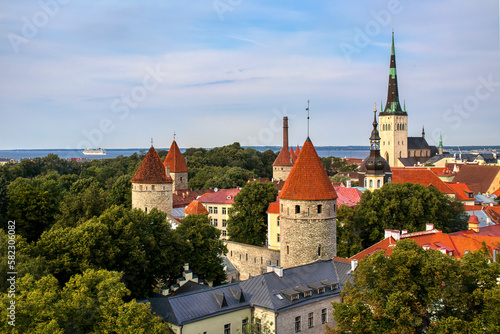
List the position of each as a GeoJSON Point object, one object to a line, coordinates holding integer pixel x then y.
{"type": "Point", "coordinates": [423, 131]}
{"type": "Point", "coordinates": [307, 118]}
{"type": "Point", "coordinates": [151, 141]}
{"type": "Point", "coordinates": [174, 135]}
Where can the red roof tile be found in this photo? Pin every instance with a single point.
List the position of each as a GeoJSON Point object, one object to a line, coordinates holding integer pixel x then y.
{"type": "Point", "coordinates": [308, 179]}
{"type": "Point", "coordinates": [478, 178]}
{"type": "Point", "coordinates": [223, 196]}
{"type": "Point", "coordinates": [297, 151]}
{"type": "Point", "coordinates": [292, 154]}
{"type": "Point", "coordinates": [347, 196]}
{"type": "Point", "coordinates": [274, 207]}
{"type": "Point", "coordinates": [473, 208]}
{"type": "Point", "coordinates": [493, 212]}
{"type": "Point", "coordinates": [284, 158]}
{"type": "Point", "coordinates": [461, 190]}
{"type": "Point", "coordinates": [195, 208]}
{"type": "Point", "coordinates": [497, 192]}
{"type": "Point", "coordinates": [151, 169]}
{"type": "Point", "coordinates": [421, 176]}
{"type": "Point", "coordinates": [174, 160]}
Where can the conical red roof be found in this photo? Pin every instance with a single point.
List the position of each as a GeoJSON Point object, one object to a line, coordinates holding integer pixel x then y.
{"type": "Point", "coordinates": [473, 219]}
{"type": "Point", "coordinates": [297, 151]}
{"type": "Point", "coordinates": [151, 169]}
{"type": "Point", "coordinates": [308, 179]}
{"type": "Point", "coordinates": [175, 160]}
{"type": "Point", "coordinates": [292, 154]}
{"type": "Point", "coordinates": [284, 158]}
{"type": "Point", "coordinates": [195, 208]}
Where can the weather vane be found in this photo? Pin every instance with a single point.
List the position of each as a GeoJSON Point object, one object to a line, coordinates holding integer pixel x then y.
{"type": "Point", "coordinates": [307, 118]}
{"type": "Point", "coordinates": [151, 141]}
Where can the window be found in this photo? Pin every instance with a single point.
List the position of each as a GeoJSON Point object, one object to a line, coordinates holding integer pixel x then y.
{"type": "Point", "coordinates": [227, 329]}
{"type": "Point", "coordinates": [216, 209]}
{"type": "Point", "coordinates": [323, 316]}
{"type": "Point", "coordinates": [223, 211]}
{"type": "Point", "coordinates": [378, 183]}
{"type": "Point", "coordinates": [297, 209]}
{"type": "Point", "coordinates": [278, 221]}
{"type": "Point", "coordinates": [310, 320]}
{"type": "Point", "coordinates": [244, 323]}
{"type": "Point", "coordinates": [288, 249]}
{"type": "Point", "coordinates": [319, 250]}
{"type": "Point", "coordinates": [371, 183]}
{"type": "Point", "coordinates": [224, 233]}
{"type": "Point", "coordinates": [211, 221]}
{"type": "Point", "coordinates": [320, 207]}
{"type": "Point", "coordinates": [215, 222]}
{"type": "Point", "coordinates": [297, 324]}
{"type": "Point", "coordinates": [257, 325]}
{"type": "Point", "coordinates": [153, 187]}
{"type": "Point", "coordinates": [223, 223]}
{"type": "Point", "coordinates": [278, 238]}
{"type": "Point", "coordinates": [210, 209]}
{"type": "Point", "coordinates": [146, 209]}
{"type": "Point", "coordinates": [281, 207]}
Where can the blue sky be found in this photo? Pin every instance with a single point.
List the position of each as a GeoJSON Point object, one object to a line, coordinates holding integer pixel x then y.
{"type": "Point", "coordinates": [114, 73]}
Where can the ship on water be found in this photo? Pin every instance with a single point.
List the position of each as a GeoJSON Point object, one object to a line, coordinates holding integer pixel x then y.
{"type": "Point", "coordinates": [94, 151]}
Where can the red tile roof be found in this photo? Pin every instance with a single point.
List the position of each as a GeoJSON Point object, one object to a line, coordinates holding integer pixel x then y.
{"type": "Point", "coordinates": [478, 178]}
{"type": "Point", "coordinates": [421, 176]}
{"type": "Point", "coordinates": [174, 160]}
{"type": "Point", "coordinates": [473, 208]}
{"type": "Point", "coordinates": [493, 212]}
{"type": "Point", "coordinates": [497, 192]}
{"type": "Point", "coordinates": [195, 208]}
{"type": "Point", "coordinates": [347, 196]}
{"type": "Point", "coordinates": [274, 207]}
{"type": "Point", "coordinates": [223, 196]}
{"type": "Point", "coordinates": [308, 179]}
{"type": "Point", "coordinates": [183, 197]}
{"type": "Point", "coordinates": [284, 158]}
{"type": "Point", "coordinates": [297, 151]}
{"type": "Point", "coordinates": [461, 190]}
{"type": "Point", "coordinates": [151, 169]}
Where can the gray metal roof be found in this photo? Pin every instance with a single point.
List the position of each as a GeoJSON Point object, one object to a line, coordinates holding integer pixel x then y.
{"type": "Point", "coordinates": [178, 212]}
{"type": "Point", "coordinates": [417, 143]}
{"type": "Point", "coordinates": [263, 291]}
{"type": "Point", "coordinates": [343, 271]}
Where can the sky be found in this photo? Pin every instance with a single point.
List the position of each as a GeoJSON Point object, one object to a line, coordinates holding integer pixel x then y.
{"type": "Point", "coordinates": [115, 74]}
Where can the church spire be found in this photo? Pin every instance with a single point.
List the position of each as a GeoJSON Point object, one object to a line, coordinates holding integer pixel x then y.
{"type": "Point", "coordinates": [440, 148]}
{"type": "Point", "coordinates": [393, 106]}
{"type": "Point", "coordinates": [375, 137]}
{"type": "Point", "coordinates": [423, 132]}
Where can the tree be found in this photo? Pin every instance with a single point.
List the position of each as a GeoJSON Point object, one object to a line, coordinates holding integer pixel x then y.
{"type": "Point", "coordinates": [402, 206]}
{"type": "Point", "coordinates": [139, 244]}
{"type": "Point", "coordinates": [86, 199]}
{"type": "Point", "coordinates": [203, 249]}
{"type": "Point", "coordinates": [247, 221]}
{"type": "Point", "coordinates": [349, 242]}
{"type": "Point", "coordinates": [4, 200]}
{"type": "Point", "coordinates": [340, 178]}
{"type": "Point", "coordinates": [88, 303]}
{"type": "Point", "coordinates": [121, 192]}
{"type": "Point", "coordinates": [419, 291]}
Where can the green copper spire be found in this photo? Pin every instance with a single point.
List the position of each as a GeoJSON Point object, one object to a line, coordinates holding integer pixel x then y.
{"type": "Point", "coordinates": [441, 140]}
{"type": "Point", "coordinates": [393, 106]}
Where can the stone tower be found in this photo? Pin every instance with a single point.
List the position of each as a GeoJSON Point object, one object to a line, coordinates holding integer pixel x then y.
{"type": "Point", "coordinates": [393, 120]}
{"type": "Point", "coordinates": [175, 164]}
{"type": "Point", "coordinates": [284, 162]}
{"type": "Point", "coordinates": [374, 171]}
{"type": "Point", "coordinates": [151, 187]}
{"type": "Point", "coordinates": [308, 210]}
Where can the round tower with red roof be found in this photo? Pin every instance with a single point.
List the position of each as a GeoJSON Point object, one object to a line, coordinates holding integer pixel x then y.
{"type": "Point", "coordinates": [151, 187]}
{"type": "Point", "coordinates": [308, 210]}
{"type": "Point", "coordinates": [176, 167]}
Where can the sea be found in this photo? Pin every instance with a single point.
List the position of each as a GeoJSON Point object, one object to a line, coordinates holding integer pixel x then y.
{"type": "Point", "coordinates": [359, 152]}
{"type": "Point", "coordinates": [323, 151]}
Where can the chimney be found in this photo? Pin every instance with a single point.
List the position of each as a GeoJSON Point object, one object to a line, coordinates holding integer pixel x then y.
{"type": "Point", "coordinates": [270, 269]}
{"type": "Point", "coordinates": [278, 271]}
{"type": "Point", "coordinates": [285, 132]}
{"type": "Point", "coordinates": [404, 231]}
{"type": "Point", "coordinates": [488, 221]}
{"type": "Point", "coordinates": [429, 226]}
{"type": "Point", "coordinates": [387, 233]}
{"type": "Point", "coordinates": [354, 264]}
{"type": "Point", "coordinates": [349, 184]}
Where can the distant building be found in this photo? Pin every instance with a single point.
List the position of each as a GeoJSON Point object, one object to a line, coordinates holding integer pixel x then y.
{"type": "Point", "coordinates": [421, 176]}
{"type": "Point", "coordinates": [479, 179]}
{"type": "Point", "coordinates": [218, 205]}
{"type": "Point", "coordinates": [151, 186]}
{"type": "Point", "coordinates": [395, 145]}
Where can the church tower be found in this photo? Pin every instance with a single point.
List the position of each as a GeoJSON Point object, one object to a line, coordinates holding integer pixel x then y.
{"type": "Point", "coordinates": [308, 210]}
{"type": "Point", "coordinates": [284, 162]}
{"type": "Point", "coordinates": [393, 120]}
{"type": "Point", "coordinates": [151, 187]}
{"type": "Point", "coordinates": [176, 166]}
{"type": "Point", "coordinates": [374, 171]}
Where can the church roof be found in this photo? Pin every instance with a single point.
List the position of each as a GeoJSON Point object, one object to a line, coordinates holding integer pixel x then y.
{"type": "Point", "coordinates": [308, 179]}
{"type": "Point", "coordinates": [418, 143]}
{"type": "Point", "coordinates": [151, 169]}
{"type": "Point", "coordinates": [175, 160]}
{"type": "Point", "coordinates": [284, 158]}
{"type": "Point", "coordinates": [393, 106]}
{"type": "Point", "coordinates": [195, 208]}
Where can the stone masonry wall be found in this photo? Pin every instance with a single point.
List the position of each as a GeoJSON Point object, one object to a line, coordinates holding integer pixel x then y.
{"type": "Point", "coordinates": [285, 322]}
{"type": "Point", "coordinates": [180, 180]}
{"type": "Point", "coordinates": [149, 196]}
{"type": "Point", "coordinates": [281, 172]}
{"type": "Point", "coordinates": [251, 260]}
{"type": "Point", "coordinates": [307, 236]}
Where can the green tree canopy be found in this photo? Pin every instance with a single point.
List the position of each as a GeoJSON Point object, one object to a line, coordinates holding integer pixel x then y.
{"type": "Point", "coordinates": [247, 221]}
{"type": "Point", "coordinates": [420, 291]}
{"type": "Point", "coordinates": [139, 244]}
{"type": "Point", "coordinates": [398, 206]}
{"type": "Point", "coordinates": [203, 249]}
{"type": "Point", "coordinates": [92, 302]}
